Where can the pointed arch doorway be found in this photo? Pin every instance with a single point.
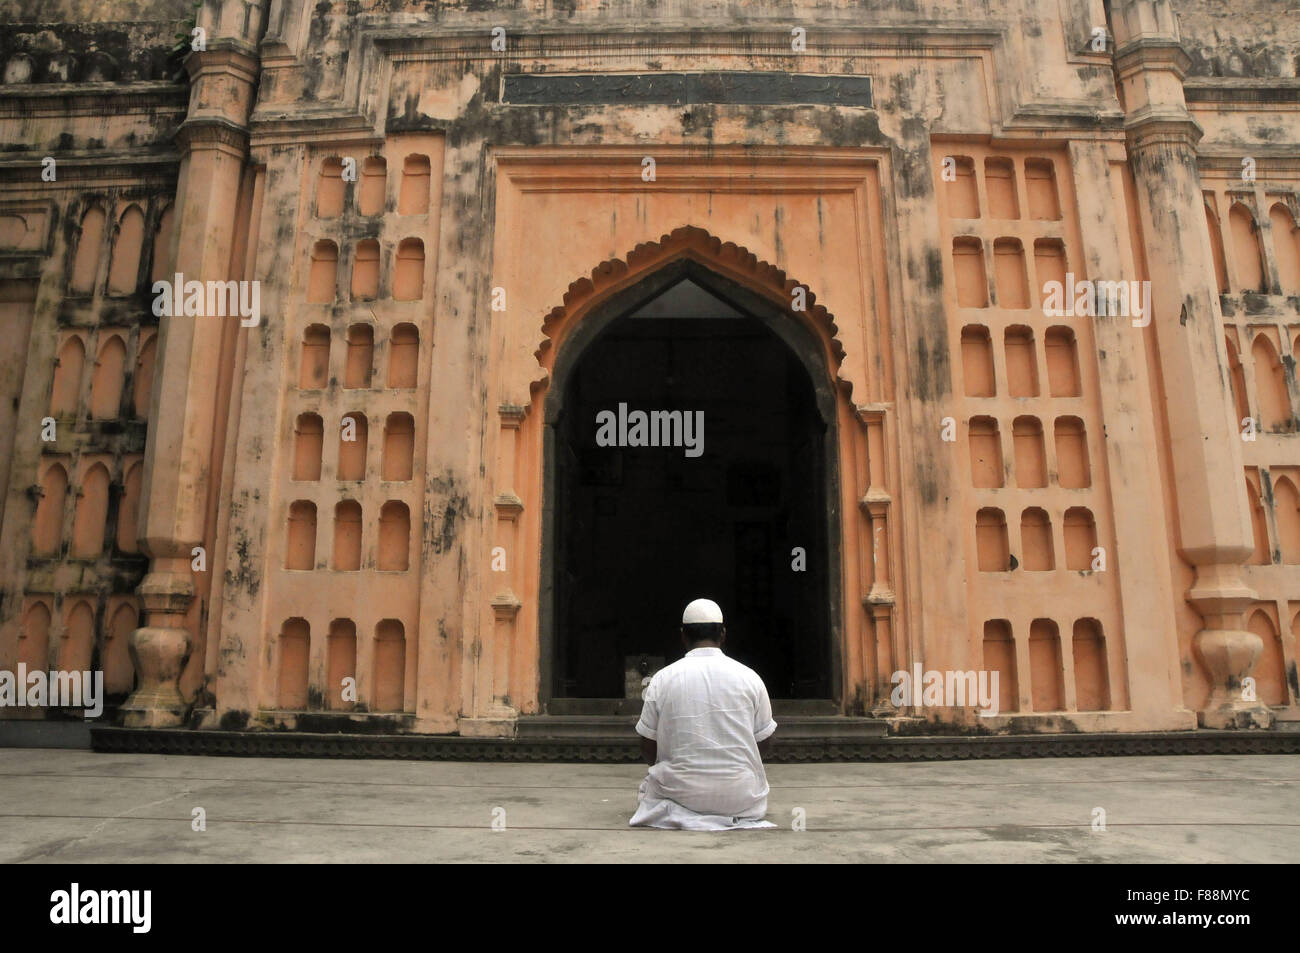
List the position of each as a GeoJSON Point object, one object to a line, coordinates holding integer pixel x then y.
{"type": "Point", "coordinates": [748, 515]}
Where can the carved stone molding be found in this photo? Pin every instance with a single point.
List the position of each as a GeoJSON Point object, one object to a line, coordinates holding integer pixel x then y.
{"type": "Point", "coordinates": [505, 606]}
{"type": "Point", "coordinates": [467, 748]}
{"type": "Point", "coordinates": [691, 242]}
{"type": "Point", "coordinates": [508, 505]}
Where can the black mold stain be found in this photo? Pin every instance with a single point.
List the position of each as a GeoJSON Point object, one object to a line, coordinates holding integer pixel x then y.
{"type": "Point", "coordinates": [934, 269]}
{"type": "Point", "coordinates": [338, 723]}
{"type": "Point", "coordinates": [234, 721]}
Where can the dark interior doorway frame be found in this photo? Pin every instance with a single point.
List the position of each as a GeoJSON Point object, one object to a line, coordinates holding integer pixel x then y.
{"type": "Point", "coordinates": [805, 346]}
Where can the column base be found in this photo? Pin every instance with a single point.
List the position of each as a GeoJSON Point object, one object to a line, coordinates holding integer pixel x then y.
{"type": "Point", "coordinates": [497, 723]}
{"type": "Point", "coordinates": [159, 655]}
{"type": "Point", "coordinates": [1240, 715]}
{"type": "Point", "coordinates": [154, 711]}
{"type": "Point", "coordinates": [1229, 656]}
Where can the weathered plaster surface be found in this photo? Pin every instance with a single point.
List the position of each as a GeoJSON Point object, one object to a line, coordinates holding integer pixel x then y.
{"type": "Point", "coordinates": [234, 170]}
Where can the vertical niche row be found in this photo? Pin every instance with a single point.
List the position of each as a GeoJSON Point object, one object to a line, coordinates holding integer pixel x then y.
{"type": "Point", "coordinates": [88, 480]}
{"type": "Point", "coordinates": [1031, 472]}
{"type": "Point", "coordinates": [354, 472]}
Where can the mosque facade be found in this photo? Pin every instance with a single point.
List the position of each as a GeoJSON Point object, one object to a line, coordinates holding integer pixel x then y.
{"type": "Point", "coordinates": [397, 367]}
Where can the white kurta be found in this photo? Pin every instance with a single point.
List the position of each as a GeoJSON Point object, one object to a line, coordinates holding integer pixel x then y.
{"type": "Point", "coordinates": [707, 714]}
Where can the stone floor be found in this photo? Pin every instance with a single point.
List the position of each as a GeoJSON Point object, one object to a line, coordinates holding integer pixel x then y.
{"type": "Point", "coordinates": [79, 807]}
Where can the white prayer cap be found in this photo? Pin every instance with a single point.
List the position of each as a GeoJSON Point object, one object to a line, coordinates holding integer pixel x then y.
{"type": "Point", "coordinates": [702, 610]}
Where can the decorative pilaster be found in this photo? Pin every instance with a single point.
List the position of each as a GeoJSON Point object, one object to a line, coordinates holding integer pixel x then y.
{"type": "Point", "coordinates": [879, 599]}
{"type": "Point", "coordinates": [1213, 524]}
{"type": "Point", "coordinates": [499, 715]}
{"type": "Point", "coordinates": [183, 408]}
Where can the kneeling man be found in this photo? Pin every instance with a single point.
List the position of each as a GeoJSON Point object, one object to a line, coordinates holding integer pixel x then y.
{"type": "Point", "coordinates": [706, 722]}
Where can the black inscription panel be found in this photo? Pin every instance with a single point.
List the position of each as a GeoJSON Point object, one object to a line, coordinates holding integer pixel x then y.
{"type": "Point", "coordinates": [684, 89]}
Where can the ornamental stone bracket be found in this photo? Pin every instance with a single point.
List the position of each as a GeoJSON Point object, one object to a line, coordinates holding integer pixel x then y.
{"type": "Point", "coordinates": [505, 606]}
{"type": "Point", "coordinates": [508, 506]}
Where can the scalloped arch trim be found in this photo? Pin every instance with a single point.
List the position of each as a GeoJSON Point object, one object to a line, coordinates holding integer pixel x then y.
{"type": "Point", "coordinates": [689, 241]}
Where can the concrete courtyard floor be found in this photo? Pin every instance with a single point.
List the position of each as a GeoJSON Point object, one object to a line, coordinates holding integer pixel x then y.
{"type": "Point", "coordinates": [71, 806]}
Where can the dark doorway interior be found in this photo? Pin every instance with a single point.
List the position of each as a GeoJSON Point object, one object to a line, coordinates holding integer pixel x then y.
{"type": "Point", "coordinates": [640, 531]}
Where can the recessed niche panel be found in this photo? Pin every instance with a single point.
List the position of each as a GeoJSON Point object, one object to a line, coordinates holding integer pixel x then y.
{"type": "Point", "coordinates": [374, 177]}
{"type": "Point", "coordinates": [329, 190]}
{"type": "Point", "coordinates": [1245, 248]}
{"type": "Point", "coordinates": [1036, 540]}
{"type": "Point", "coordinates": [1000, 186]}
{"type": "Point", "coordinates": [85, 268]}
{"type": "Point", "coordinates": [1040, 184]}
{"type": "Point", "coordinates": [403, 356]}
{"type": "Point", "coordinates": [300, 546]}
{"type": "Point", "coordinates": [1270, 384]}
{"type": "Point", "coordinates": [314, 372]}
{"type": "Point", "coordinates": [47, 527]}
{"type": "Point", "coordinates": [365, 271]}
{"type": "Point", "coordinates": [991, 543]}
{"type": "Point", "coordinates": [985, 453]}
{"type": "Point", "coordinates": [119, 671]}
{"type": "Point", "coordinates": [1073, 470]}
{"type": "Point", "coordinates": [1062, 362]}
{"type": "Point", "coordinates": [308, 442]}
{"type": "Point", "coordinates": [399, 447]}
{"type": "Point", "coordinates": [408, 272]}
{"type": "Point", "coordinates": [389, 665]}
{"type": "Point", "coordinates": [66, 393]}
{"type": "Point", "coordinates": [977, 361]}
{"type": "Point", "coordinates": [963, 195]}
{"type": "Point", "coordinates": [322, 280]}
{"type": "Point", "coordinates": [1022, 362]}
{"type": "Point", "coordinates": [1286, 246]}
{"type": "Point", "coordinates": [394, 537]}
{"type": "Point", "coordinates": [77, 647]}
{"type": "Point", "coordinates": [1091, 678]}
{"type": "Point", "coordinates": [1286, 506]}
{"type": "Point", "coordinates": [347, 536]}
{"type": "Point", "coordinates": [968, 268]}
{"type": "Point", "coordinates": [128, 243]}
{"type": "Point", "coordinates": [1031, 457]}
{"type": "Point", "coordinates": [1011, 278]}
{"type": "Point", "coordinates": [360, 357]}
{"type": "Point", "coordinates": [1080, 538]}
{"type": "Point", "coordinates": [1045, 669]}
{"type": "Point", "coordinates": [91, 514]}
{"type": "Point", "coordinates": [413, 198]}
{"type": "Point", "coordinates": [295, 655]}
{"type": "Point", "coordinates": [34, 637]}
{"type": "Point", "coordinates": [1050, 269]}
{"type": "Point", "coordinates": [107, 380]}
{"type": "Point", "coordinates": [354, 434]}
{"type": "Point", "coordinates": [341, 663]}
{"type": "Point", "coordinates": [1000, 657]}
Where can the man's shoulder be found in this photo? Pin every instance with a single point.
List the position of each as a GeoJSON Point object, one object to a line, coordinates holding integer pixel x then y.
{"type": "Point", "coordinates": [749, 675]}
{"type": "Point", "coordinates": [692, 663]}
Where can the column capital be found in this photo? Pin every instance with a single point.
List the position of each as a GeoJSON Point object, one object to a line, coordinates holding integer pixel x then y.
{"type": "Point", "coordinates": [212, 133]}
{"type": "Point", "coordinates": [1153, 127]}
{"type": "Point", "coordinates": [1152, 53]}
